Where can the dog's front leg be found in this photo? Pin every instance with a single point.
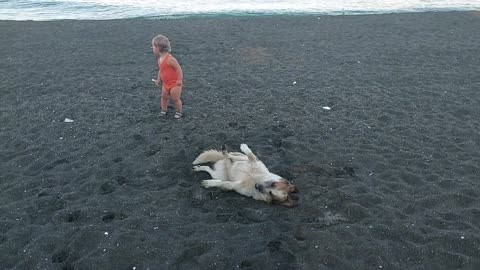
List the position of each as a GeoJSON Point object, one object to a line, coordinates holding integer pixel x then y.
{"type": "Point", "coordinates": [227, 185]}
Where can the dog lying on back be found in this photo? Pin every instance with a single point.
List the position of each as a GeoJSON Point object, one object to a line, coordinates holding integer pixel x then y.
{"type": "Point", "coordinates": [245, 174]}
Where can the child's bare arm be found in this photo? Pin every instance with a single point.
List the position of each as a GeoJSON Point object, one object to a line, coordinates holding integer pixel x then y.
{"type": "Point", "coordinates": [158, 80]}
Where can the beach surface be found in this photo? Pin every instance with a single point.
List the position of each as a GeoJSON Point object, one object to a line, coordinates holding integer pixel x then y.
{"type": "Point", "coordinates": [388, 176]}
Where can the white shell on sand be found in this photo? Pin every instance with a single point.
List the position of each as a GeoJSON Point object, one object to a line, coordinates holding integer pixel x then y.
{"type": "Point", "coordinates": [67, 120]}
{"type": "Point", "coordinates": [327, 108]}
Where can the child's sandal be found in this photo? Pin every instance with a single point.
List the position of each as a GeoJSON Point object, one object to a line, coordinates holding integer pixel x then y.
{"type": "Point", "coordinates": [163, 113]}
{"type": "Point", "coordinates": [178, 115]}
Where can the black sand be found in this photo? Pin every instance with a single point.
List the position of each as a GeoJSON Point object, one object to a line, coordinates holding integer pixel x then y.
{"type": "Point", "coordinates": [389, 177]}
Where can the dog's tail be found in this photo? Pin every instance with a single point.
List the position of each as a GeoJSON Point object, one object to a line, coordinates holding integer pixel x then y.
{"type": "Point", "coordinates": [209, 156]}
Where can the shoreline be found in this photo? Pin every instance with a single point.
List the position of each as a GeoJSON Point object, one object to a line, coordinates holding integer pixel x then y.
{"type": "Point", "coordinates": [262, 14]}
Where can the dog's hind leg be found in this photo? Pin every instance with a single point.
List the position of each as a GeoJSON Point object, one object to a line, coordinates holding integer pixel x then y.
{"type": "Point", "coordinates": [228, 161]}
{"type": "Point", "coordinates": [233, 156]}
{"type": "Point", "coordinates": [206, 169]}
{"type": "Point", "coordinates": [247, 151]}
{"type": "Point", "coordinates": [225, 151]}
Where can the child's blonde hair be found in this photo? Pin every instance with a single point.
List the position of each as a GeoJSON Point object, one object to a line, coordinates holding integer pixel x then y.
{"type": "Point", "coordinates": [162, 43]}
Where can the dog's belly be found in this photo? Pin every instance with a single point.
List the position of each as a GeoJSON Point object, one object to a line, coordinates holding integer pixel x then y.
{"type": "Point", "coordinates": [220, 170]}
{"type": "Point", "coordinates": [227, 170]}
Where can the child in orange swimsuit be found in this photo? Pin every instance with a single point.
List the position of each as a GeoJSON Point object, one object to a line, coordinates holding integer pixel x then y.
{"type": "Point", "coordinates": [170, 73]}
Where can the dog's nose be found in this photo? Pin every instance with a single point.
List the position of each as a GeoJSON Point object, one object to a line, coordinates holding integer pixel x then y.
{"type": "Point", "coordinates": [260, 188]}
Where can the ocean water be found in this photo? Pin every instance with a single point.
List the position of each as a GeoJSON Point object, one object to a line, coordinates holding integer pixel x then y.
{"type": "Point", "coordinates": [120, 9]}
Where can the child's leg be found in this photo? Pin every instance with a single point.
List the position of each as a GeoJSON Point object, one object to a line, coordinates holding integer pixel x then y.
{"type": "Point", "coordinates": [176, 93]}
{"type": "Point", "coordinates": [164, 99]}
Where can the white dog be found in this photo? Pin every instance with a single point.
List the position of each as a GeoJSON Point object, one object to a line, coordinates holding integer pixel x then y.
{"type": "Point", "coordinates": [245, 174]}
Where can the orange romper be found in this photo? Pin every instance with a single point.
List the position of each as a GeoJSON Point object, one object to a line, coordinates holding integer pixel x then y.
{"type": "Point", "coordinates": [168, 74]}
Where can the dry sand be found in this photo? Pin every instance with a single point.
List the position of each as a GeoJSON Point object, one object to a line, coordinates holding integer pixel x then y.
{"type": "Point", "coordinates": [389, 177]}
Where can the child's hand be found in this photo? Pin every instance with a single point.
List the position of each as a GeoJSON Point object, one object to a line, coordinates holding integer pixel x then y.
{"type": "Point", "coordinates": [157, 82]}
{"type": "Point", "coordinates": [179, 83]}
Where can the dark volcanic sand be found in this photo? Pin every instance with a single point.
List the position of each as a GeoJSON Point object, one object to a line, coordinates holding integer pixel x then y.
{"type": "Point", "coordinates": [389, 177]}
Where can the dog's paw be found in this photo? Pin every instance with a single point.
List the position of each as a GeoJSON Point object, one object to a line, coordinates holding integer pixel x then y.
{"type": "Point", "coordinates": [211, 183]}
{"type": "Point", "coordinates": [196, 168]}
{"type": "Point", "coordinates": [245, 149]}
{"type": "Point", "coordinates": [206, 184]}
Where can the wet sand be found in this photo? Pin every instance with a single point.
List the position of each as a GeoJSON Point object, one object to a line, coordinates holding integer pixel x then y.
{"type": "Point", "coordinates": [389, 176]}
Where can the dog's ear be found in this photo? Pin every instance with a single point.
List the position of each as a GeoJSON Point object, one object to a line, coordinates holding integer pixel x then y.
{"type": "Point", "coordinates": [290, 202]}
{"type": "Point", "coordinates": [293, 197]}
